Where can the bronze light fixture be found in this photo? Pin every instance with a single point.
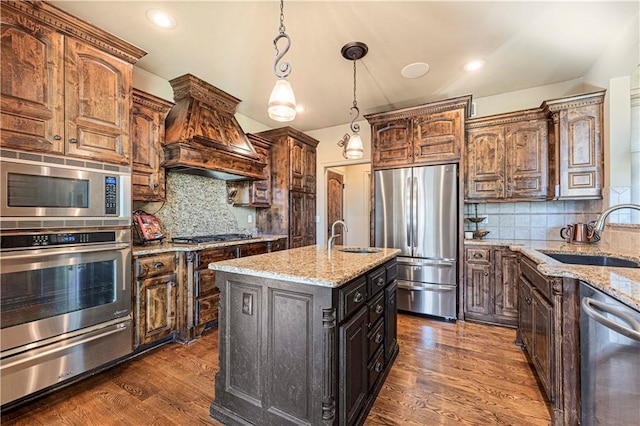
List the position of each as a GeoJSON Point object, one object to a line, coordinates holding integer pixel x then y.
{"type": "Point", "coordinates": [282, 102]}
{"type": "Point", "coordinates": [352, 147]}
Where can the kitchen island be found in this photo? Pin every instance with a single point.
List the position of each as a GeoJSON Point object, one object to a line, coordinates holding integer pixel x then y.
{"type": "Point", "coordinates": [306, 336]}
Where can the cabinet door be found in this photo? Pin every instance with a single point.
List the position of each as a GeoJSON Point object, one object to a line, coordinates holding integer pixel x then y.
{"type": "Point", "coordinates": [157, 307]}
{"type": "Point", "coordinates": [310, 170]}
{"type": "Point", "coordinates": [97, 104]}
{"type": "Point", "coordinates": [296, 219]}
{"type": "Point", "coordinates": [309, 226]}
{"type": "Point", "coordinates": [581, 153]}
{"type": "Point", "coordinates": [543, 343]}
{"type": "Point", "coordinates": [437, 137]}
{"type": "Point", "coordinates": [31, 112]}
{"type": "Point", "coordinates": [297, 153]}
{"type": "Point", "coordinates": [485, 163]}
{"type": "Point", "coordinates": [390, 321]}
{"type": "Point", "coordinates": [525, 313]}
{"type": "Point", "coordinates": [353, 357]}
{"type": "Point", "coordinates": [478, 303]}
{"type": "Point", "coordinates": [392, 143]}
{"type": "Point", "coordinates": [506, 287]}
{"type": "Point", "coordinates": [526, 160]}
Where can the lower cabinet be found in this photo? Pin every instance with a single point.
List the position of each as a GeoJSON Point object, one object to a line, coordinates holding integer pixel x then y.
{"type": "Point", "coordinates": [490, 284]}
{"type": "Point", "coordinates": [294, 353]}
{"type": "Point", "coordinates": [156, 298]}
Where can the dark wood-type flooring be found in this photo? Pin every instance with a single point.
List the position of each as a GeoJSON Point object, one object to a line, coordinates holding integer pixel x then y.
{"type": "Point", "coordinates": [446, 374]}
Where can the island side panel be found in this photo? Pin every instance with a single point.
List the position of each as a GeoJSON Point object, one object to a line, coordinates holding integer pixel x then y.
{"type": "Point", "coordinates": [273, 354]}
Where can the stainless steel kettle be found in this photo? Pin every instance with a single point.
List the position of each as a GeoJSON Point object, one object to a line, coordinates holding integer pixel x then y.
{"type": "Point", "coordinates": [580, 233]}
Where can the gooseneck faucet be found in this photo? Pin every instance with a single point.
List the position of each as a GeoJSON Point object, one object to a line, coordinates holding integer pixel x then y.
{"type": "Point", "coordinates": [333, 233]}
{"type": "Point", "coordinates": [599, 225]}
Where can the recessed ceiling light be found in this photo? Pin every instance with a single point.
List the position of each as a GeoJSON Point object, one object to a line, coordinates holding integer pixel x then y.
{"type": "Point", "coordinates": [474, 65]}
{"type": "Point", "coordinates": [161, 19]}
{"type": "Point", "coordinates": [415, 70]}
{"type": "Point", "coordinates": [300, 108]}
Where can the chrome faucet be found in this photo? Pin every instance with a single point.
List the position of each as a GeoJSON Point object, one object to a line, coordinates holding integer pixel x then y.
{"type": "Point", "coordinates": [599, 225]}
{"type": "Point", "coordinates": [333, 233]}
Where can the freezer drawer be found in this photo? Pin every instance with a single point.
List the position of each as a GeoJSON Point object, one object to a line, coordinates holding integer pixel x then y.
{"type": "Point", "coordinates": [427, 271]}
{"type": "Point", "coordinates": [428, 299]}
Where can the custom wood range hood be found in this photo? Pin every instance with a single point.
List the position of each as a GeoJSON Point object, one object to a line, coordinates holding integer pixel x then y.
{"type": "Point", "coordinates": [203, 136]}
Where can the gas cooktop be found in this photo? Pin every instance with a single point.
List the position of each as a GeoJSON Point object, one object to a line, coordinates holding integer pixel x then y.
{"type": "Point", "coordinates": [196, 239]}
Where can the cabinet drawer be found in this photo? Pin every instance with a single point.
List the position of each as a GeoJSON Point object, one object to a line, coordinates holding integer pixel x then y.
{"type": "Point", "coordinates": [375, 368]}
{"type": "Point", "coordinates": [205, 257]}
{"type": "Point", "coordinates": [152, 266]}
{"type": "Point", "coordinates": [207, 309]}
{"type": "Point", "coordinates": [376, 337]}
{"type": "Point", "coordinates": [352, 297]}
{"type": "Point", "coordinates": [376, 280]}
{"type": "Point", "coordinates": [376, 309]}
{"type": "Point", "coordinates": [538, 281]}
{"type": "Point", "coordinates": [478, 254]}
{"type": "Point", "coordinates": [392, 271]}
{"type": "Point", "coordinates": [205, 282]}
{"type": "Point", "coordinates": [252, 249]}
{"type": "Point", "coordinates": [277, 245]}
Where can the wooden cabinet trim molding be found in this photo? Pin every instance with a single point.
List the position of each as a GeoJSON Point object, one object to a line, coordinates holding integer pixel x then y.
{"type": "Point", "coordinates": [77, 28]}
{"type": "Point", "coordinates": [506, 118]}
{"type": "Point", "coordinates": [430, 108]}
{"type": "Point", "coordinates": [585, 99]}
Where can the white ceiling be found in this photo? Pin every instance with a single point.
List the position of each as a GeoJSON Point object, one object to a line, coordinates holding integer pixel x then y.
{"type": "Point", "coordinates": [230, 45]}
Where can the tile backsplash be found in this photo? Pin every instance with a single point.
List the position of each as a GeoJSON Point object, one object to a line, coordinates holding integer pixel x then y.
{"type": "Point", "coordinates": [195, 205]}
{"type": "Point", "coordinates": [540, 220]}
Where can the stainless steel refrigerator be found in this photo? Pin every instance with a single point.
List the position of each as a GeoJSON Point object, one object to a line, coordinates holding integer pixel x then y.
{"type": "Point", "coordinates": [416, 210]}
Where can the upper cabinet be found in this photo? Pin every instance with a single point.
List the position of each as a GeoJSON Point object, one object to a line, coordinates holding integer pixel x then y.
{"type": "Point", "coordinates": [507, 157]}
{"type": "Point", "coordinates": [147, 135]}
{"type": "Point", "coordinates": [66, 85]}
{"type": "Point", "coordinates": [576, 138]}
{"type": "Point", "coordinates": [256, 193]}
{"type": "Point", "coordinates": [427, 134]}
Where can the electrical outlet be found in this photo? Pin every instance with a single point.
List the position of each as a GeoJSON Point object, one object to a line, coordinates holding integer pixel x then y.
{"type": "Point", "coordinates": [249, 218]}
{"type": "Point", "coordinates": [317, 219]}
{"type": "Point", "coordinates": [247, 303]}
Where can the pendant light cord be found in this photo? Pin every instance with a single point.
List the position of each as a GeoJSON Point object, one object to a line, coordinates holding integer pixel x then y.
{"type": "Point", "coordinates": [284, 69]}
{"type": "Point", "coordinates": [355, 128]}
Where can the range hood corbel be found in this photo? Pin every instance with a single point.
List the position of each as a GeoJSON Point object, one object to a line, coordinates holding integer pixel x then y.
{"type": "Point", "coordinates": [203, 136]}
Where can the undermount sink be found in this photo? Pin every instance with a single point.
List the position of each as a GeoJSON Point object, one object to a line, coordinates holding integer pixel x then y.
{"type": "Point", "coordinates": [595, 260]}
{"type": "Point", "coordinates": [359, 250]}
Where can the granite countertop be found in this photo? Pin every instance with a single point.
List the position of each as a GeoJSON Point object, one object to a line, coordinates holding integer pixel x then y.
{"type": "Point", "coordinates": [154, 248]}
{"type": "Point", "coordinates": [308, 265]}
{"type": "Point", "coordinates": [622, 284]}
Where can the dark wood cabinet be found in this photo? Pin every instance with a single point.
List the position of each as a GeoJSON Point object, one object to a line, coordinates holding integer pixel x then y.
{"type": "Point", "coordinates": [156, 298]}
{"type": "Point", "coordinates": [427, 134]}
{"type": "Point", "coordinates": [62, 92]}
{"type": "Point", "coordinates": [293, 183]}
{"type": "Point", "coordinates": [507, 157]}
{"type": "Point", "coordinates": [576, 143]}
{"type": "Point", "coordinates": [334, 346]}
{"type": "Point", "coordinates": [255, 193]}
{"type": "Point", "coordinates": [147, 136]}
{"type": "Point", "coordinates": [490, 284]}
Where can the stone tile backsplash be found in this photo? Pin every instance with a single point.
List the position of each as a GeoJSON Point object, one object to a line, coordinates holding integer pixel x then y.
{"type": "Point", "coordinates": [531, 220]}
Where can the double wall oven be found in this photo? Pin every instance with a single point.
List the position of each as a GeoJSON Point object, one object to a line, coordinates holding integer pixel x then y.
{"type": "Point", "coordinates": [65, 270]}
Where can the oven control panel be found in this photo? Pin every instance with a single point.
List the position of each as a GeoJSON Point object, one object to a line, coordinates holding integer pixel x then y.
{"type": "Point", "coordinates": [110, 195]}
{"type": "Point", "coordinates": [55, 239]}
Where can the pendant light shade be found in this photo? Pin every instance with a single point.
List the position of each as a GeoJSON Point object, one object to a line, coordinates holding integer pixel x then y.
{"type": "Point", "coordinates": [282, 102]}
{"type": "Point", "coordinates": [352, 146]}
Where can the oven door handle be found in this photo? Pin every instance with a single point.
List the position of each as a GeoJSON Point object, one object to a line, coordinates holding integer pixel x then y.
{"type": "Point", "coordinates": [23, 254]}
{"type": "Point", "coordinates": [591, 308]}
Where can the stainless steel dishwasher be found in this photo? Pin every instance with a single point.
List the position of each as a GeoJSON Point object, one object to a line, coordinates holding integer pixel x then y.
{"type": "Point", "coordinates": [610, 360]}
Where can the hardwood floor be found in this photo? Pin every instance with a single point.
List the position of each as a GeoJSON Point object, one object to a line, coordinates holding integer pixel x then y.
{"type": "Point", "coordinates": [446, 374]}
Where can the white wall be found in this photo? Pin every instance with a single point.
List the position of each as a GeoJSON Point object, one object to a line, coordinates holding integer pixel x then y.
{"type": "Point", "coordinates": [357, 200]}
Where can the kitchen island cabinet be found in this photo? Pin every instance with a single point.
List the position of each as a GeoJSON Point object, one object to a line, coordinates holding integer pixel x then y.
{"type": "Point", "coordinates": [305, 336]}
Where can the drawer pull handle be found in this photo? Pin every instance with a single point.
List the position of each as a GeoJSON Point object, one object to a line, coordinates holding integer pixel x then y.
{"type": "Point", "coordinates": [379, 309]}
{"type": "Point", "coordinates": [158, 265]}
{"type": "Point", "coordinates": [359, 297]}
{"type": "Point", "coordinates": [378, 367]}
{"type": "Point", "coordinates": [173, 284]}
{"type": "Point", "coordinates": [73, 140]}
{"type": "Point", "coordinates": [486, 274]}
{"type": "Point", "coordinates": [477, 255]}
{"type": "Point", "coordinates": [57, 137]}
{"type": "Point", "coordinates": [378, 338]}
{"type": "Point", "coordinates": [380, 282]}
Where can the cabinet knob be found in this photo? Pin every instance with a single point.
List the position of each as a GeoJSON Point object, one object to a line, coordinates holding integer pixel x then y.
{"type": "Point", "coordinates": [73, 140]}
{"type": "Point", "coordinates": [477, 255]}
{"type": "Point", "coordinates": [380, 282]}
{"type": "Point", "coordinates": [57, 137]}
{"type": "Point", "coordinates": [378, 367]}
{"type": "Point", "coordinates": [158, 265]}
{"type": "Point", "coordinates": [378, 338]}
{"type": "Point", "coordinates": [173, 284]}
{"type": "Point", "coordinates": [358, 297]}
{"type": "Point", "coordinates": [486, 274]}
{"type": "Point", "coordinates": [379, 309]}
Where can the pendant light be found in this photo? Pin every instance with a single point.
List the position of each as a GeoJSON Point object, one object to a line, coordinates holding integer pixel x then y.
{"type": "Point", "coordinates": [282, 102]}
{"type": "Point", "coordinates": [352, 147]}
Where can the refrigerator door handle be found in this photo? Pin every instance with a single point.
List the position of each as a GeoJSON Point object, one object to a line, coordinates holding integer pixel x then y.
{"type": "Point", "coordinates": [415, 212]}
{"type": "Point", "coordinates": [407, 210]}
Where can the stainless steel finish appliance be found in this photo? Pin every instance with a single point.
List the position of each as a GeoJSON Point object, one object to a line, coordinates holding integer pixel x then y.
{"type": "Point", "coordinates": [45, 191]}
{"type": "Point", "coordinates": [416, 211]}
{"type": "Point", "coordinates": [65, 306]}
{"type": "Point", "coordinates": [610, 360]}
